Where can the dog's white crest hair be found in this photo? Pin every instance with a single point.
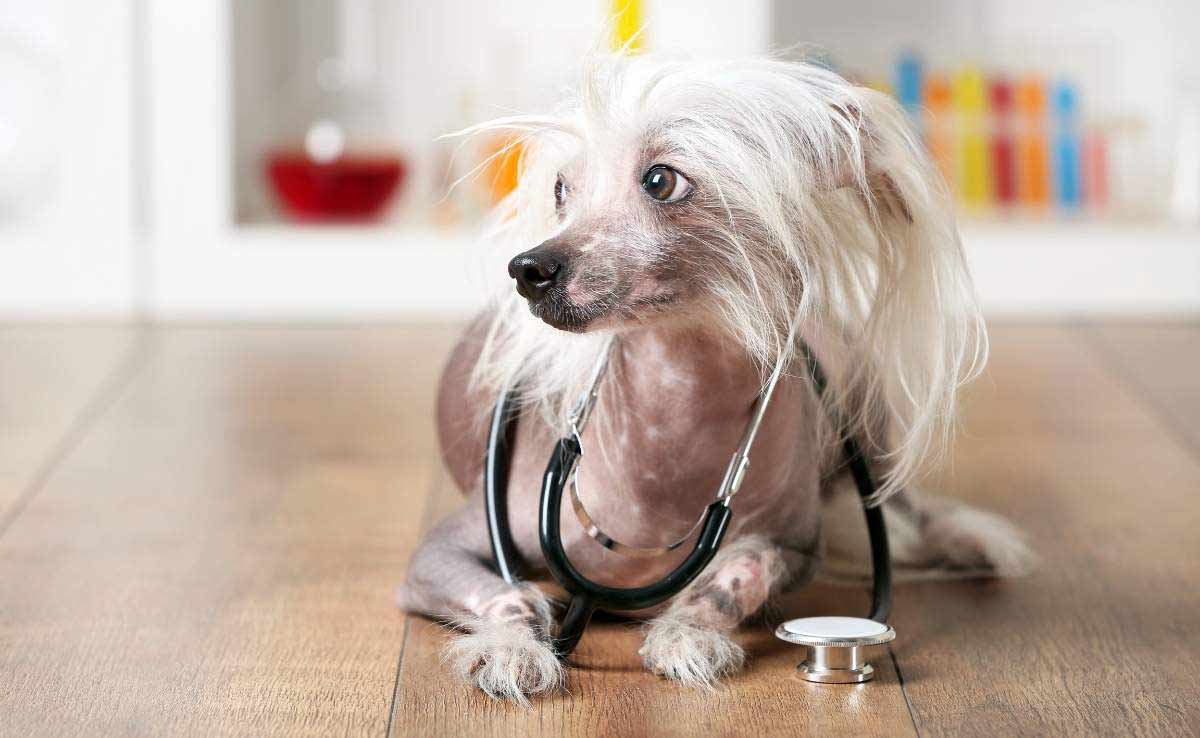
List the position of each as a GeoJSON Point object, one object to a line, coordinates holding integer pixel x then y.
{"type": "Point", "coordinates": [831, 213]}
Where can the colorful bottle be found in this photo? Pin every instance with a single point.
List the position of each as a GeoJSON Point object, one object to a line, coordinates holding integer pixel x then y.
{"type": "Point", "coordinates": [1004, 165]}
{"type": "Point", "coordinates": [1033, 159]}
{"type": "Point", "coordinates": [628, 34]}
{"type": "Point", "coordinates": [909, 83]}
{"type": "Point", "coordinates": [1067, 190]}
{"type": "Point", "coordinates": [939, 122]}
{"type": "Point", "coordinates": [1095, 170]}
{"type": "Point", "coordinates": [970, 105]}
{"type": "Point", "coordinates": [502, 168]}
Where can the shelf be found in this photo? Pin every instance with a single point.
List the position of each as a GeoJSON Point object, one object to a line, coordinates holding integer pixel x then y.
{"type": "Point", "coordinates": [1063, 268]}
{"type": "Point", "coordinates": [316, 272]}
{"type": "Point", "coordinates": [1027, 233]}
{"type": "Point", "coordinates": [390, 238]}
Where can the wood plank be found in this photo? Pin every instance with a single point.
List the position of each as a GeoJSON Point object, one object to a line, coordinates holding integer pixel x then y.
{"type": "Point", "coordinates": [1100, 641]}
{"type": "Point", "coordinates": [218, 555]}
{"type": "Point", "coordinates": [1159, 362]}
{"type": "Point", "coordinates": [49, 376]}
{"type": "Point", "coordinates": [612, 694]}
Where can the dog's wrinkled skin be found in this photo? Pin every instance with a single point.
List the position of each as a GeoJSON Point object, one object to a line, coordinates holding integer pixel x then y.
{"type": "Point", "coordinates": [698, 290]}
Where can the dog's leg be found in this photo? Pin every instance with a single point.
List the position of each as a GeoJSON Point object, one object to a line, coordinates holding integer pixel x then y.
{"type": "Point", "coordinates": [690, 642]}
{"type": "Point", "coordinates": [504, 648]}
{"type": "Point", "coordinates": [929, 537]}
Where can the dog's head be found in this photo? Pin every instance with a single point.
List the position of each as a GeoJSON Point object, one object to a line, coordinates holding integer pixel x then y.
{"type": "Point", "coordinates": [672, 189]}
{"type": "Point", "coordinates": [739, 196]}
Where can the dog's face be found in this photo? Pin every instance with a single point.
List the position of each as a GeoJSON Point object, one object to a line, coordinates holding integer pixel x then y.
{"type": "Point", "coordinates": [631, 243]}
{"type": "Point", "coordinates": [687, 193]}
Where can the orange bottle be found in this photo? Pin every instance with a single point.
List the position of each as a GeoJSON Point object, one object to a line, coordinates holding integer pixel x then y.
{"type": "Point", "coordinates": [1033, 156]}
{"type": "Point", "coordinates": [938, 123]}
{"type": "Point", "coordinates": [503, 168]}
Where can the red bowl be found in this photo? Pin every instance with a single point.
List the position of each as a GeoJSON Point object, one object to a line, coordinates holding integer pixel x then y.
{"type": "Point", "coordinates": [349, 188]}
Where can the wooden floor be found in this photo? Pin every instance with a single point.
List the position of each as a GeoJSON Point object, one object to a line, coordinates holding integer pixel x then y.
{"type": "Point", "coordinates": [200, 531]}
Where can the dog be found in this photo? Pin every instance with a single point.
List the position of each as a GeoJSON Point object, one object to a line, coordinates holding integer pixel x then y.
{"type": "Point", "coordinates": [695, 210]}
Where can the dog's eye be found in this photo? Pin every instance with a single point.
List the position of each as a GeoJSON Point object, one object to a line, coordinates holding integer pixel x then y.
{"type": "Point", "coordinates": [560, 193]}
{"type": "Point", "coordinates": [665, 184]}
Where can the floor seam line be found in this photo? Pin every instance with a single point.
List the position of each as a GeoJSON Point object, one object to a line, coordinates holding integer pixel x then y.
{"type": "Point", "coordinates": [396, 681]}
{"type": "Point", "coordinates": [426, 519]}
{"type": "Point", "coordinates": [912, 712]}
{"type": "Point", "coordinates": [100, 401]}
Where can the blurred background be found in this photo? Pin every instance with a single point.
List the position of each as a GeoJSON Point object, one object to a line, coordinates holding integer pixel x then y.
{"type": "Point", "coordinates": [279, 159]}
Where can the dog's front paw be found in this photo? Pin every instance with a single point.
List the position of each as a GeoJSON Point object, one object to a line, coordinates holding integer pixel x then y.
{"type": "Point", "coordinates": [506, 659]}
{"type": "Point", "coordinates": [688, 653]}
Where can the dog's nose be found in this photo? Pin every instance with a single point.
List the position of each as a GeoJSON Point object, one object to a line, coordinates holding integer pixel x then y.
{"type": "Point", "coordinates": [535, 271]}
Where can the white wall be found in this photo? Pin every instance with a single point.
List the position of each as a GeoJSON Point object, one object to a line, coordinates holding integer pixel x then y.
{"type": "Point", "coordinates": [68, 203]}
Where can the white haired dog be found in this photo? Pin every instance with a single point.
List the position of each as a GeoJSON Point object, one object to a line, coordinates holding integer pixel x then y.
{"type": "Point", "coordinates": [695, 209]}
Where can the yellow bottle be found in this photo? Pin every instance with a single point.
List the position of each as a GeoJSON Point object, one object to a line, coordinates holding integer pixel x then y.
{"type": "Point", "coordinates": [971, 105]}
{"type": "Point", "coordinates": [627, 23]}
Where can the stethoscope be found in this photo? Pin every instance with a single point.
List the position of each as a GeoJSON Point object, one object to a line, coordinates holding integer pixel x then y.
{"type": "Point", "coordinates": [835, 643]}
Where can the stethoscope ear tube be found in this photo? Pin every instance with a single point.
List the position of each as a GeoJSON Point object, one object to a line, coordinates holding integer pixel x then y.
{"type": "Point", "coordinates": [881, 557]}
{"type": "Point", "coordinates": [501, 434]}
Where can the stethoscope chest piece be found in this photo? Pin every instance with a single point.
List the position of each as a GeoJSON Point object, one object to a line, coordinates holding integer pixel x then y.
{"type": "Point", "coordinates": [835, 647]}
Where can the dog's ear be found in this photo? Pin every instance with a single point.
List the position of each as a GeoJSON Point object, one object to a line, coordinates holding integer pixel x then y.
{"type": "Point", "coordinates": [900, 266]}
{"type": "Point", "coordinates": [861, 162]}
{"type": "Point", "coordinates": [886, 195]}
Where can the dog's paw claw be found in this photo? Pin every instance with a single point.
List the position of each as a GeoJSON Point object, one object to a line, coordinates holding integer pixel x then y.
{"type": "Point", "coordinates": [690, 654]}
{"type": "Point", "coordinates": [506, 660]}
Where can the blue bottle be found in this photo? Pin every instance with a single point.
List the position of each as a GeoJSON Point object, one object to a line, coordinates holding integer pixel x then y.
{"type": "Point", "coordinates": [1068, 188]}
{"type": "Point", "coordinates": [909, 80]}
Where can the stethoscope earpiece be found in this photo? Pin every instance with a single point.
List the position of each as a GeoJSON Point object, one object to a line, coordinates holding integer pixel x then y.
{"type": "Point", "coordinates": [835, 647]}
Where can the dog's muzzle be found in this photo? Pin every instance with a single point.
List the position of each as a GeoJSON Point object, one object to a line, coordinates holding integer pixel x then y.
{"type": "Point", "coordinates": [536, 272]}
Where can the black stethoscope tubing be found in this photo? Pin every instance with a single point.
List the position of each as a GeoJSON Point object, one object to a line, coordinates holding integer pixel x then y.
{"type": "Point", "coordinates": [586, 595]}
